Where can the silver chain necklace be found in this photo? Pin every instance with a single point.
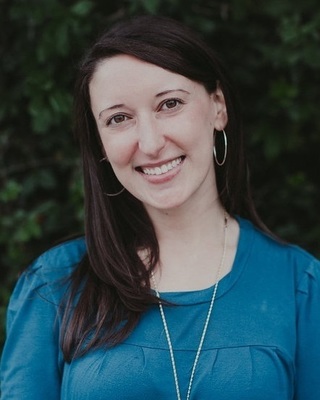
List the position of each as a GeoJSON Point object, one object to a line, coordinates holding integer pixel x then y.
{"type": "Point", "coordinates": [165, 325]}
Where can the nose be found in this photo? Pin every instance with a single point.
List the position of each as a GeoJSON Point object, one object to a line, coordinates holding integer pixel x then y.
{"type": "Point", "coordinates": [151, 138]}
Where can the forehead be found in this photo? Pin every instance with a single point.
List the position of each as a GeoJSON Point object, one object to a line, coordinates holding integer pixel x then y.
{"type": "Point", "coordinates": [126, 72]}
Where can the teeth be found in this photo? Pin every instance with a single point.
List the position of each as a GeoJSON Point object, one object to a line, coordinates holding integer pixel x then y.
{"type": "Point", "coordinates": [163, 168]}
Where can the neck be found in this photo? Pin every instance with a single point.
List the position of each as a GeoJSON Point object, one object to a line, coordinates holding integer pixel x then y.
{"type": "Point", "coordinates": [187, 221]}
{"type": "Point", "coordinates": [191, 243]}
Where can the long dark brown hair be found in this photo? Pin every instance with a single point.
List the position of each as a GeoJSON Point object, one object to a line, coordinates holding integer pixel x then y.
{"type": "Point", "coordinates": [111, 287]}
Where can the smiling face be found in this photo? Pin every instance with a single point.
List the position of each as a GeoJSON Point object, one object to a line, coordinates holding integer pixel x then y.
{"type": "Point", "coordinates": [157, 131]}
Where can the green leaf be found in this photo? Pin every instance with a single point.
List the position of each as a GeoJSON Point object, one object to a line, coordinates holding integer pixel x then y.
{"type": "Point", "coordinates": [151, 6]}
{"type": "Point", "coordinates": [11, 191]}
{"type": "Point", "coordinates": [82, 8]}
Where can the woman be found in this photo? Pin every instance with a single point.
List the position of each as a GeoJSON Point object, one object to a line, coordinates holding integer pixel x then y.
{"type": "Point", "coordinates": [172, 294]}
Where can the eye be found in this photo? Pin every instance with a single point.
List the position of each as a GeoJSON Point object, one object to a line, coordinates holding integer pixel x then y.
{"type": "Point", "coordinates": [170, 104]}
{"type": "Point", "coordinates": [117, 119]}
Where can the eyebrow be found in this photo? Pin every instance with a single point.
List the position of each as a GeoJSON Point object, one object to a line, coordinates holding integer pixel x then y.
{"type": "Point", "coordinates": [157, 95]}
{"type": "Point", "coordinates": [170, 91]}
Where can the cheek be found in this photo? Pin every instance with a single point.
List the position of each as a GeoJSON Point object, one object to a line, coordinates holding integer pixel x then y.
{"type": "Point", "coordinates": [119, 150]}
{"type": "Point", "coordinates": [196, 130]}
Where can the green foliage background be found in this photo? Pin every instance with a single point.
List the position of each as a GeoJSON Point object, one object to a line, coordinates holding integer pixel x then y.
{"type": "Point", "coordinates": [273, 51]}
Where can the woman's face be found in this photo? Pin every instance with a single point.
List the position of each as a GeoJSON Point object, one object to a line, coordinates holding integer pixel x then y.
{"type": "Point", "coordinates": [157, 131]}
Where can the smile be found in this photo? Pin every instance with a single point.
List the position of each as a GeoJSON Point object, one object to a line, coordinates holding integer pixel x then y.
{"type": "Point", "coordinates": [162, 169]}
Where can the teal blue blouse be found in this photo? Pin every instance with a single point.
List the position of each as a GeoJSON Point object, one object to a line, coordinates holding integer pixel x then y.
{"type": "Point", "coordinates": [263, 341]}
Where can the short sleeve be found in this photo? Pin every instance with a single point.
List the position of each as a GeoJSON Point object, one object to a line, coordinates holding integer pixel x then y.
{"type": "Point", "coordinates": [308, 335]}
{"type": "Point", "coordinates": [32, 362]}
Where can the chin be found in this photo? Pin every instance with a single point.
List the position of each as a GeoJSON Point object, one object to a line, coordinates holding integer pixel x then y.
{"type": "Point", "coordinates": [164, 205]}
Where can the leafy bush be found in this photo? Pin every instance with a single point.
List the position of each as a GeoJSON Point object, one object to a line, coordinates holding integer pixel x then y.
{"type": "Point", "coordinates": [272, 49]}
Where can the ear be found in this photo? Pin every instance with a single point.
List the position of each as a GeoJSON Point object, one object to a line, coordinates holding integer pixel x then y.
{"type": "Point", "coordinates": [221, 117]}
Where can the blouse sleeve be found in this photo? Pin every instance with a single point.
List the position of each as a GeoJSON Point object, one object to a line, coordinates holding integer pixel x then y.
{"type": "Point", "coordinates": [31, 365]}
{"type": "Point", "coordinates": [308, 334]}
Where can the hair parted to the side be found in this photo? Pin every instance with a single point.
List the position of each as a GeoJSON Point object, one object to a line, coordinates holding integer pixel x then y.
{"type": "Point", "coordinates": [115, 285]}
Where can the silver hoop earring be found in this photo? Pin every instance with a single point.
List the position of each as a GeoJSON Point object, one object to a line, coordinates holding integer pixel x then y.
{"type": "Point", "coordinates": [115, 194]}
{"type": "Point", "coordinates": [220, 163]}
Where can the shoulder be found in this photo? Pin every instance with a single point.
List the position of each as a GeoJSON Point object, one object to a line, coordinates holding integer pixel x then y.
{"type": "Point", "coordinates": [47, 276]}
{"type": "Point", "coordinates": [280, 257]}
{"type": "Point", "coordinates": [62, 258]}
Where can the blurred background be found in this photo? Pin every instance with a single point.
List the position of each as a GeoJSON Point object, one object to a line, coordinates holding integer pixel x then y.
{"type": "Point", "coordinates": [272, 49]}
